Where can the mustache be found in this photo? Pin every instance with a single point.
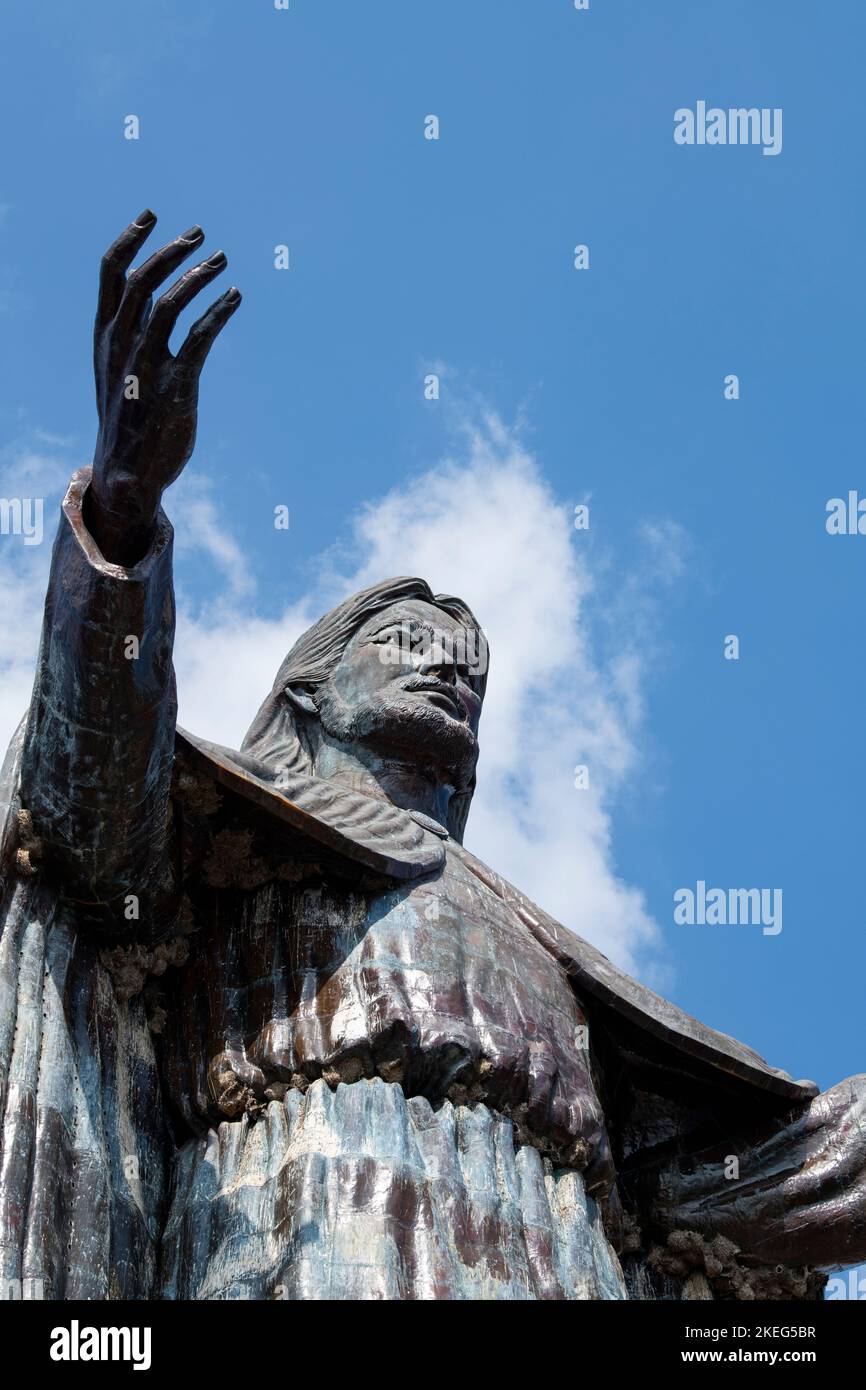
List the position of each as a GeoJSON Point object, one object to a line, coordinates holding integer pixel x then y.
{"type": "Point", "coordinates": [431, 683]}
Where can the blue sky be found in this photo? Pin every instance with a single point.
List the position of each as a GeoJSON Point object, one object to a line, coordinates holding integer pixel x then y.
{"type": "Point", "coordinates": [410, 256]}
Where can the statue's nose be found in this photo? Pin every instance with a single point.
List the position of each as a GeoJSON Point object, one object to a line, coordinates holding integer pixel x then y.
{"type": "Point", "coordinates": [437, 659]}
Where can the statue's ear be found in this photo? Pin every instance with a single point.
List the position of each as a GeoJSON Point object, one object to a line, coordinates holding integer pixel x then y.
{"type": "Point", "coordinates": [300, 694]}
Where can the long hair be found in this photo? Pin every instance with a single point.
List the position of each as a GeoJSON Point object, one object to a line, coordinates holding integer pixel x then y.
{"type": "Point", "coordinates": [276, 734]}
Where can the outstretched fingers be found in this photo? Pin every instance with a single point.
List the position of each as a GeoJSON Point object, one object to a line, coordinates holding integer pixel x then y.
{"type": "Point", "coordinates": [181, 293]}
{"type": "Point", "coordinates": [141, 283]}
{"type": "Point", "coordinates": [115, 263]}
{"type": "Point", "coordinates": [201, 336]}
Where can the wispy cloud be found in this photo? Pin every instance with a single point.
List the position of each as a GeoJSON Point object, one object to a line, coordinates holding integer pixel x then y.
{"type": "Point", "coordinates": [202, 528]}
{"type": "Point", "coordinates": [25, 472]}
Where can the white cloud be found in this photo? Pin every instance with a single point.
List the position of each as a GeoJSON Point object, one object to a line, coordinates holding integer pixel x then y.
{"type": "Point", "coordinates": [202, 528]}
{"type": "Point", "coordinates": [566, 680]}
{"type": "Point", "coordinates": [24, 472]}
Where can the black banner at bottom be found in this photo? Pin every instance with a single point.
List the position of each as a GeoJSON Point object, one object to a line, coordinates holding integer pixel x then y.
{"type": "Point", "coordinates": [224, 1338]}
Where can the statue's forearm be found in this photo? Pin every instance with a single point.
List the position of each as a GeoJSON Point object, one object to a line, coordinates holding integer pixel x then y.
{"type": "Point", "coordinates": [792, 1192]}
{"type": "Point", "coordinates": [123, 533]}
{"type": "Point", "coordinates": [97, 759]}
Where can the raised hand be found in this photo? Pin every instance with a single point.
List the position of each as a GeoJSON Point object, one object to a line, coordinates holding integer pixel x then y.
{"type": "Point", "coordinates": [147, 398]}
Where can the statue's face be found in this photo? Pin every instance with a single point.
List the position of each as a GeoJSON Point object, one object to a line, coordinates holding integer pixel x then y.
{"type": "Point", "coordinates": [408, 684]}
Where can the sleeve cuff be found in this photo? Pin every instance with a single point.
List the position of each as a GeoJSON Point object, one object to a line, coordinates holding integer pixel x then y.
{"type": "Point", "coordinates": [72, 508]}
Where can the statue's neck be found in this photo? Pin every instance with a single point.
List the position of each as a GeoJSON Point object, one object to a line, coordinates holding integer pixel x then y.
{"type": "Point", "coordinates": [387, 779]}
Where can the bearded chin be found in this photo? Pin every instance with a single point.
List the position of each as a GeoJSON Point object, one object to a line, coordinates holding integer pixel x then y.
{"type": "Point", "coordinates": [407, 728]}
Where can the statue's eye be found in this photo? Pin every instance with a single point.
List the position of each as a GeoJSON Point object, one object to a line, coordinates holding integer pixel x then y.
{"type": "Point", "coordinates": [388, 634]}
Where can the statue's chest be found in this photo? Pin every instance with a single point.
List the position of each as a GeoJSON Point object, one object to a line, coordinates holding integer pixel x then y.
{"type": "Point", "coordinates": [435, 960]}
{"type": "Point", "coordinates": [437, 985]}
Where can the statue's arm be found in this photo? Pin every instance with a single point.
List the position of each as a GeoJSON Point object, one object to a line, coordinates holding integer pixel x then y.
{"type": "Point", "coordinates": [97, 758]}
{"type": "Point", "coordinates": [790, 1190]}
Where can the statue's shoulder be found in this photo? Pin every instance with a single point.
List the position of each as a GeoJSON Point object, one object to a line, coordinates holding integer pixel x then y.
{"type": "Point", "coordinates": [655, 1033]}
{"type": "Point", "coordinates": [312, 816]}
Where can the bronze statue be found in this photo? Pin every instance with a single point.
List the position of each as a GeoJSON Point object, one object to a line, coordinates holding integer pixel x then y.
{"type": "Point", "coordinates": [268, 1030]}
